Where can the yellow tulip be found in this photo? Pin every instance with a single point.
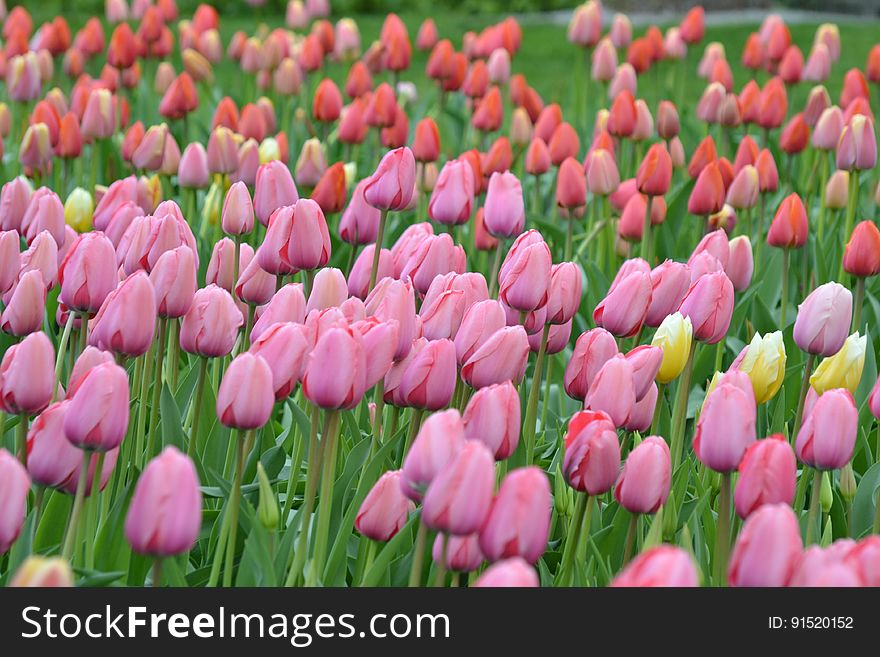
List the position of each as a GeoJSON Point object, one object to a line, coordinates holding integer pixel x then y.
{"type": "Point", "coordinates": [673, 336]}
{"type": "Point", "coordinates": [764, 362]}
{"type": "Point", "coordinates": [78, 210]}
{"type": "Point", "coordinates": [39, 572]}
{"type": "Point", "coordinates": [843, 369]}
{"type": "Point", "coordinates": [269, 150]}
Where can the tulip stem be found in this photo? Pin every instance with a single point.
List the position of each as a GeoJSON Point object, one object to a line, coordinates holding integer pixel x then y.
{"type": "Point", "coordinates": [646, 233]}
{"type": "Point", "coordinates": [812, 517]}
{"type": "Point", "coordinates": [192, 448]}
{"type": "Point", "coordinates": [314, 466]}
{"type": "Point", "coordinates": [146, 375]}
{"type": "Point", "coordinates": [805, 385]}
{"type": "Point", "coordinates": [62, 348]}
{"type": "Point", "coordinates": [83, 332]}
{"type": "Point", "coordinates": [823, 183]}
{"type": "Point", "coordinates": [440, 577]}
{"type": "Point", "coordinates": [783, 299]}
{"type": "Point", "coordinates": [876, 527]}
{"type": "Point", "coordinates": [496, 265]}
{"type": "Point", "coordinates": [236, 263]}
{"type": "Point", "coordinates": [661, 389]}
{"type": "Point", "coordinates": [722, 534]}
{"type": "Point", "coordinates": [630, 538]}
{"type": "Point", "coordinates": [415, 572]}
{"type": "Point", "coordinates": [157, 572]}
{"type": "Point", "coordinates": [234, 507]}
{"type": "Point", "coordinates": [860, 301]}
{"type": "Point", "coordinates": [328, 478]}
{"type": "Point", "coordinates": [76, 511]}
{"type": "Point", "coordinates": [157, 389]}
{"type": "Point", "coordinates": [569, 237]}
{"type": "Point", "coordinates": [572, 539]}
{"type": "Point", "coordinates": [679, 414]}
{"type": "Point", "coordinates": [21, 438]}
{"type": "Point", "coordinates": [529, 427]}
{"type": "Point", "coordinates": [851, 207]}
{"type": "Point", "coordinates": [415, 424]}
{"type": "Point", "coordinates": [377, 251]}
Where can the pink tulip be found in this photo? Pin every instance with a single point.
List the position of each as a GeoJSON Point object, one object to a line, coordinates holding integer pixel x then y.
{"type": "Point", "coordinates": [458, 499]}
{"type": "Point", "coordinates": [863, 556]}
{"type": "Point", "coordinates": [613, 390]}
{"type": "Point", "coordinates": [14, 487]}
{"type": "Point", "coordinates": [335, 376]}
{"type": "Point", "coordinates": [41, 255]}
{"type": "Point", "coordinates": [462, 552]}
{"type": "Point", "coordinates": [359, 223]}
{"type": "Point", "coordinates": [492, 416]}
{"type": "Point", "coordinates": [273, 254]}
{"type": "Point", "coordinates": [255, 285]}
{"type": "Point", "coordinates": [643, 486]}
{"type": "Point", "coordinates": [359, 277]}
{"type": "Point", "coordinates": [410, 240]}
{"type": "Point", "coordinates": [857, 148]}
{"type": "Point", "coordinates": [519, 521]}
{"type": "Point", "coordinates": [726, 427]}
{"type": "Point", "coordinates": [385, 509]}
{"type": "Point", "coordinates": [14, 200]}
{"type": "Point", "coordinates": [85, 362]}
{"type": "Point", "coordinates": [453, 196]}
{"type": "Point", "coordinates": [328, 289]}
{"type": "Point", "coordinates": [660, 566]}
{"type": "Point", "coordinates": [437, 442]}
{"type": "Point", "coordinates": [592, 453]}
{"type": "Point", "coordinates": [287, 305]}
{"type": "Point", "coordinates": [274, 188]}
{"type": "Point", "coordinates": [44, 212]}
{"type": "Point", "coordinates": [514, 572]}
{"type": "Point", "coordinates": [27, 376]}
{"type": "Point", "coordinates": [429, 379]}
{"type": "Point", "coordinates": [380, 342]}
{"type": "Point", "coordinates": [670, 282]}
{"type": "Point", "coordinates": [767, 548]}
{"type": "Point", "coordinates": [97, 418]}
{"type": "Point", "coordinates": [26, 307]}
{"type": "Point", "coordinates": [504, 209]}
{"type": "Point", "coordinates": [828, 435]}
{"type": "Point", "coordinates": [709, 305]}
{"type": "Point", "coordinates": [9, 258]}
{"type": "Point", "coordinates": [825, 567]}
{"type": "Point", "coordinates": [623, 311]}
{"type": "Point", "coordinates": [165, 515]}
{"type": "Point", "coordinates": [52, 460]}
{"type": "Point", "coordinates": [285, 349]}
{"type": "Point", "coordinates": [394, 300]}
{"type": "Point", "coordinates": [767, 474]}
{"type": "Point", "coordinates": [391, 185]}
{"type": "Point", "coordinates": [435, 255]}
{"type": "Point", "coordinates": [564, 292]}
{"type": "Point", "coordinates": [237, 217]}
{"type": "Point", "coordinates": [245, 396]}
{"type": "Point", "coordinates": [192, 172]}
{"type": "Point", "coordinates": [591, 350]}
{"type": "Point", "coordinates": [525, 283]}
{"type": "Point", "coordinates": [478, 324]}
{"type": "Point", "coordinates": [211, 324]}
{"type": "Point", "coordinates": [502, 357]}
{"type": "Point", "coordinates": [309, 246]}
{"type": "Point", "coordinates": [88, 273]}
{"type": "Point", "coordinates": [126, 320]}
{"type": "Point", "coordinates": [174, 282]}
{"type": "Point", "coordinates": [823, 320]}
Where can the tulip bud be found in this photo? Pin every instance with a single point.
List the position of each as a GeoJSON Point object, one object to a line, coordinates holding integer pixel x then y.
{"type": "Point", "coordinates": [274, 188]}
{"type": "Point", "coordinates": [14, 487]}
{"type": "Point", "coordinates": [624, 309]}
{"type": "Point", "coordinates": [823, 320]}
{"type": "Point", "coordinates": [591, 351]}
{"type": "Point", "coordinates": [771, 525]}
{"type": "Point", "coordinates": [519, 521]}
{"type": "Point", "coordinates": [492, 416]}
{"type": "Point", "coordinates": [43, 572]}
{"type": "Point", "coordinates": [726, 427]}
{"type": "Point", "coordinates": [458, 498]}
{"type": "Point", "coordinates": [613, 390]}
{"type": "Point", "coordinates": [97, 418]}
{"type": "Point", "coordinates": [709, 306]}
{"type": "Point", "coordinates": [26, 307]}
{"type": "Point", "coordinates": [789, 228]}
{"type": "Point", "coordinates": [844, 368]}
{"type": "Point", "coordinates": [211, 324]}
{"type": "Point", "coordinates": [592, 453]}
{"type": "Point", "coordinates": [767, 475]}
{"type": "Point", "coordinates": [391, 185]}
{"type": "Point", "coordinates": [502, 357]}
{"type": "Point", "coordinates": [504, 213]}
{"type": "Point", "coordinates": [27, 377]}
{"type": "Point", "coordinates": [857, 148]}
{"type": "Point", "coordinates": [827, 437]}
{"type": "Point", "coordinates": [165, 515]}
{"type": "Point", "coordinates": [861, 257]}
{"type": "Point", "coordinates": [837, 190]}
{"type": "Point", "coordinates": [245, 397]}
{"type": "Point", "coordinates": [385, 509]}
{"type": "Point", "coordinates": [439, 439]}
{"type": "Point", "coordinates": [643, 485]}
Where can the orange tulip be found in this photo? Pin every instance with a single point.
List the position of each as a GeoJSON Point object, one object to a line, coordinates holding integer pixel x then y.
{"type": "Point", "coordinates": [707, 196]}
{"type": "Point", "coordinates": [705, 153]}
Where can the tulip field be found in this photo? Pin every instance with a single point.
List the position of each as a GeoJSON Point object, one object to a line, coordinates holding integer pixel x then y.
{"type": "Point", "coordinates": [295, 298]}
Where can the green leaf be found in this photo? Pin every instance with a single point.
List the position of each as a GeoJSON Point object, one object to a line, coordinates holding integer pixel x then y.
{"type": "Point", "coordinates": [864, 505]}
